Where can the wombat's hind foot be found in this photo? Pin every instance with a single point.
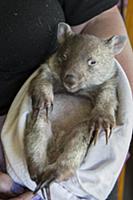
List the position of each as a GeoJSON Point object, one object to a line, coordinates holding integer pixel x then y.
{"type": "Point", "coordinates": [45, 185]}
{"type": "Point", "coordinates": [48, 176]}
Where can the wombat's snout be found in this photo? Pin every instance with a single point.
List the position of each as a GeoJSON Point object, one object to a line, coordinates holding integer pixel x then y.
{"type": "Point", "coordinates": [70, 81]}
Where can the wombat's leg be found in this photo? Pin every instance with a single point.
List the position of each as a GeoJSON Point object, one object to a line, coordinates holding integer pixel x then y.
{"type": "Point", "coordinates": [41, 90]}
{"type": "Point", "coordinates": [36, 137]}
{"type": "Point", "coordinates": [103, 115]}
{"type": "Point", "coordinates": [70, 160]}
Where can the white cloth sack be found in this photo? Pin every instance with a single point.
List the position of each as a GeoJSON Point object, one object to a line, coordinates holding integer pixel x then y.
{"type": "Point", "coordinates": [103, 163]}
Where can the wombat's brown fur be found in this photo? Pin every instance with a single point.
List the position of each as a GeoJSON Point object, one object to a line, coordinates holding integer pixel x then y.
{"type": "Point", "coordinates": [84, 66]}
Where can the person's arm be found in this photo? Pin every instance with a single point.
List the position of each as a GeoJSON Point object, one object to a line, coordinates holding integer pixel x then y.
{"type": "Point", "coordinates": [106, 24]}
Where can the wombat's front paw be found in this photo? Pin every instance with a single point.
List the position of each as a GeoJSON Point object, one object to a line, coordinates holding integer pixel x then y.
{"type": "Point", "coordinates": [101, 119]}
{"type": "Point", "coordinates": [43, 101]}
{"type": "Point", "coordinates": [42, 98]}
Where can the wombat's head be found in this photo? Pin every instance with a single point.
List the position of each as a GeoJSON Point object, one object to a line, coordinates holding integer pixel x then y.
{"type": "Point", "coordinates": [86, 60]}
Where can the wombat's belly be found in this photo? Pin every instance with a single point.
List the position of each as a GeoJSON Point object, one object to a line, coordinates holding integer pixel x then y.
{"type": "Point", "coordinates": [68, 112]}
{"type": "Point", "coordinates": [70, 140]}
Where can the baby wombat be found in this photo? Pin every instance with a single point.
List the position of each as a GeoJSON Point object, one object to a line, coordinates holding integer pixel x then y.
{"type": "Point", "coordinates": [83, 65]}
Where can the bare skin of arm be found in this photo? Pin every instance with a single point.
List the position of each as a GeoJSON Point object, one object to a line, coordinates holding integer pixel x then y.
{"type": "Point", "coordinates": [104, 25]}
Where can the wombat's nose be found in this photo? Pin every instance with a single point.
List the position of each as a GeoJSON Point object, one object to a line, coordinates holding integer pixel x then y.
{"type": "Point", "coordinates": [70, 79]}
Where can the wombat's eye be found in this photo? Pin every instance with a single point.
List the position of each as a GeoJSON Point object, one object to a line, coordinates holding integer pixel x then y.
{"type": "Point", "coordinates": [64, 57]}
{"type": "Point", "coordinates": [91, 62]}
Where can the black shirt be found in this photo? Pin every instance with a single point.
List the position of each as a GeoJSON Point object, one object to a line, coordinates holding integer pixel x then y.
{"type": "Point", "coordinates": [28, 36]}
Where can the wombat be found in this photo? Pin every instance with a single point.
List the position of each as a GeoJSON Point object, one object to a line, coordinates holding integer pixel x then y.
{"type": "Point", "coordinates": [83, 65]}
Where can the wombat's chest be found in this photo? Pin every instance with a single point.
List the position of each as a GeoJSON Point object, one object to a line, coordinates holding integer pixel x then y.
{"type": "Point", "coordinates": [68, 112]}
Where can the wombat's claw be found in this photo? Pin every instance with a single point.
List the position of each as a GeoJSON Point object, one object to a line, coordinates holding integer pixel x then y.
{"type": "Point", "coordinates": [108, 132]}
{"type": "Point", "coordinates": [43, 194]}
{"type": "Point", "coordinates": [47, 113]}
{"type": "Point", "coordinates": [47, 110]}
{"type": "Point", "coordinates": [96, 133]}
{"type": "Point", "coordinates": [44, 184]}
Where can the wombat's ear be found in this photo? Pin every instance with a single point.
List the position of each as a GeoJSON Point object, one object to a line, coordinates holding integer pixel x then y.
{"type": "Point", "coordinates": [63, 31]}
{"type": "Point", "coordinates": [116, 43]}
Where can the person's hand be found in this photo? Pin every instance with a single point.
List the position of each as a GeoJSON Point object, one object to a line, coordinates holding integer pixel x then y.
{"type": "Point", "coordinates": [7, 189]}
{"type": "Point", "coordinates": [6, 184]}
{"type": "Point", "coordinates": [25, 196]}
